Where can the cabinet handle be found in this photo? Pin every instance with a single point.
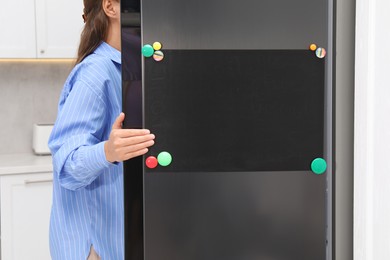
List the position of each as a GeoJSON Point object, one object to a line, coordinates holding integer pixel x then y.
{"type": "Point", "coordinates": [27, 182]}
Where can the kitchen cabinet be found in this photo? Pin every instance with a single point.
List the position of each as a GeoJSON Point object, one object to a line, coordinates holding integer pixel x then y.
{"type": "Point", "coordinates": [26, 197]}
{"type": "Point", "coordinates": [17, 29]}
{"type": "Point", "coordinates": [40, 28]}
{"type": "Point", "coordinates": [25, 214]}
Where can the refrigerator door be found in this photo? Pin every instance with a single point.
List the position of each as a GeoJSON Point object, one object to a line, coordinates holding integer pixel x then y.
{"type": "Point", "coordinates": [239, 96]}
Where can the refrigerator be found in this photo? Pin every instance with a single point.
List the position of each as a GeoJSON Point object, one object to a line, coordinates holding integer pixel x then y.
{"type": "Point", "coordinates": [239, 95]}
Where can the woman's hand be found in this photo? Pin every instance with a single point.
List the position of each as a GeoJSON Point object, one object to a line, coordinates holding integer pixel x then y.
{"type": "Point", "coordinates": [124, 144]}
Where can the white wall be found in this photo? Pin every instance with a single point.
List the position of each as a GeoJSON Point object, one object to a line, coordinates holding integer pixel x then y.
{"type": "Point", "coordinates": [29, 93]}
{"type": "Point", "coordinates": [372, 131]}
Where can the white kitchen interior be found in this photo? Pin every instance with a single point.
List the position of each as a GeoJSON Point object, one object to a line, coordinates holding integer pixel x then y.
{"type": "Point", "coordinates": [38, 42]}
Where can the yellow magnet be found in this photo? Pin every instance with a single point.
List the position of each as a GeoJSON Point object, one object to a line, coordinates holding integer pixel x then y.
{"type": "Point", "coordinates": [157, 46]}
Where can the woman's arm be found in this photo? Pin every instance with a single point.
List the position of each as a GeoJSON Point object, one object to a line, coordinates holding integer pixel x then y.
{"type": "Point", "coordinates": [79, 142]}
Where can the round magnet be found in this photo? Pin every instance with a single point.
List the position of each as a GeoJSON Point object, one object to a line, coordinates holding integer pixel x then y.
{"type": "Point", "coordinates": [313, 47]}
{"type": "Point", "coordinates": [147, 50]}
{"type": "Point", "coordinates": [151, 162]}
{"type": "Point", "coordinates": [158, 56]}
{"type": "Point", "coordinates": [164, 158]}
{"type": "Point", "coordinates": [320, 53]}
{"type": "Point", "coordinates": [318, 166]}
{"type": "Point", "coordinates": [157, 46]}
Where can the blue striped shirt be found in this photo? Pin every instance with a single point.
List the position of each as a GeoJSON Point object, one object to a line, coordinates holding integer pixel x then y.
{"type": "Point", "coordinates": [87, 190]}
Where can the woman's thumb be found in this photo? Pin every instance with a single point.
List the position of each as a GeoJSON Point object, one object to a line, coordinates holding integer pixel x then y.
{"type": "Point", "coordinates": [118, 121]}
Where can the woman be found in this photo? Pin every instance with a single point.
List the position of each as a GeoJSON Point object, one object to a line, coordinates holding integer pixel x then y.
{"type": "Point", "coordinates": [88, 145]}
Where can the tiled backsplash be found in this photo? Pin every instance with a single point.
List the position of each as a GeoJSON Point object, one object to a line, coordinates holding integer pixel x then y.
{"type": "Point", "coordinates": [29, 94]}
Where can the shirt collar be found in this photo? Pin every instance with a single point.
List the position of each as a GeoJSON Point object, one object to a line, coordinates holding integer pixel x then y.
{"type": "Point", "coordinates": [110, 52]}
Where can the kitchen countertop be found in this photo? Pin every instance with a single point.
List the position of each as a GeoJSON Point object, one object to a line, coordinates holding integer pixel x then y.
{"type": "Point", "coordinates": [24, 163]}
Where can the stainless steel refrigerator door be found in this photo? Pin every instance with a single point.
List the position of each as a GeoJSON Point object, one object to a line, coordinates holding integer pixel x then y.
{"type": "Point", "coordinates": [244, 107]}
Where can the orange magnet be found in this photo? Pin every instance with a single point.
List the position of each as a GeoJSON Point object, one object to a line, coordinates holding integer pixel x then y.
{"type": "Point", "coordinates": [313, 47]}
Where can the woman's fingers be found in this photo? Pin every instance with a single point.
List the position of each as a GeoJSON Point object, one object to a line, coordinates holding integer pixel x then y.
{"type": "Point", "coordinates": [123, 133]}
{"type": "Point", "coordinates": [133, 140]}
{"type": "Point", "coordinates": [124, 144]}
{"type": "Point", "coordinates": [136, 153]}
{"type": "Point", "coordinates": [135, 147]}
{"type": "Point", "coordinates": [133, 151]}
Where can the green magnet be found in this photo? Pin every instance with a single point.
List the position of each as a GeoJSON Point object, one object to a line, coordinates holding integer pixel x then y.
{"type": "Point", "coordinates": [318, 166]}
{"type": "Point", "coordinates": [147, 50]}
{"type": "Point", "coordinates": [164, 158]}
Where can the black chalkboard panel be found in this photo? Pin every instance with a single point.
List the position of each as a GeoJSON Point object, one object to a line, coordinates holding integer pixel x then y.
{"type": "Point", "coordinates": [236, 110]}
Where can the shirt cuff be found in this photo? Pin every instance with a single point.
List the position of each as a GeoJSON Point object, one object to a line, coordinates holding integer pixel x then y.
{"type": "Point", "coordinates": [94, 159]}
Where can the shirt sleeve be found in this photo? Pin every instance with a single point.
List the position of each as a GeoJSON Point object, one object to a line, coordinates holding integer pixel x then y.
{"type": "Point", "coordinates": [77, 140]}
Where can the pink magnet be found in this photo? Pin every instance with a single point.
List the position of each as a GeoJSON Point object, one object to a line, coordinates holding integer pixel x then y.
{"type": "Point", "coordinates": [321, 53]}
{"type": "Point", "coordinates": [158, 56]}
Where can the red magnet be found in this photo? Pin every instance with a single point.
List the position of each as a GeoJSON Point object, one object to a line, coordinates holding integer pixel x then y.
{"type": "Point", "coordinates": [151, 162]}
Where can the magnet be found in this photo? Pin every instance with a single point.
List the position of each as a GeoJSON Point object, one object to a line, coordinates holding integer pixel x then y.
{"type": "Point", "coordinates": [321, 52]}
{"type": "Point", "coordinates": [164, 158]}
{"type": "Point", "coordinates": [147, 50]}
{"type": "Point", "coordinates": [313, 47]}
{"type": "Point", "coordinates": [157, 46]}
{"type": "Point", "coordinates": [158, 56]}
{"type": "Point", "coordinates": [151, 162]}
{"type": "Point", "coordinates": [318, 166]}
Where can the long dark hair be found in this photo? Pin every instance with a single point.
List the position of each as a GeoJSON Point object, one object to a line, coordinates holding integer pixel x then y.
{"type": "Point", "coordinates": [95, 29]}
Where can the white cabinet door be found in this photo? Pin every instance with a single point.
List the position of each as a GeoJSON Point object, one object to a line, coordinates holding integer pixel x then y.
{"type": "Point", "coordinates": [25, 215]}
{"type": "Point", "coordinates": [40, 28]}
{"type": "Point", "coordinates": [17, 29]}
{"type": "Point", "coordinates": [58, 25]}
